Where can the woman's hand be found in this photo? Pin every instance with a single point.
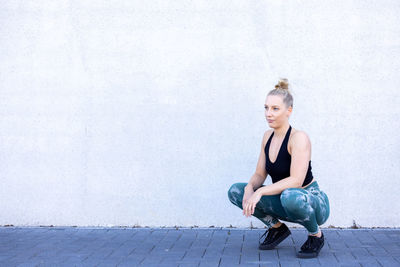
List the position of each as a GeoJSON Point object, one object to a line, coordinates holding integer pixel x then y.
{"type": "Point", "coordinates": [246, 197]}
{"type": "Point", "coordinates": [250, 204]}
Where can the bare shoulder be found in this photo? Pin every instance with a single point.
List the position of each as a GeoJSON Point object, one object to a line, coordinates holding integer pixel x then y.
{"type": "Point", "coordinates": [298, 135]}
{"type": "Point", "coordinates": [300, 139]}
{"type": "Point", "coordinates": [267, 134]}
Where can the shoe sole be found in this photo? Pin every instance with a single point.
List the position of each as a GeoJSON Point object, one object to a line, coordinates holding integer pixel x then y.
{"type": "Point", "coordinates": [274, 244]}
{"type": "Point", "coordinates": [304, 255]}
{"type": "Point", "coordinates": [307, 255]}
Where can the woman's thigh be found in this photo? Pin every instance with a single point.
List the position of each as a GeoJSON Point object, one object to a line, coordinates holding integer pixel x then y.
{"type": "Point", "coordinates": [309, 200]}
{"type": "Point", "coordinates": [270, 204]}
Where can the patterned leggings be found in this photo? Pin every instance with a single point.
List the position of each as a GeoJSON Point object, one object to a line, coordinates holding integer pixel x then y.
{"type": "Point", "coordinates": [307, 206]}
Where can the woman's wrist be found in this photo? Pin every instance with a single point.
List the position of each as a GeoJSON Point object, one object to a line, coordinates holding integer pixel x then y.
{"type": "Point", "coordinates": [249, 187]}
{"type": "Point", "coordinates": [259, 191]}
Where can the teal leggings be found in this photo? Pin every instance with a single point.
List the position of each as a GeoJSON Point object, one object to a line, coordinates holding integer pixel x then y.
{"type": "Point", "coordinates": [307, 206]}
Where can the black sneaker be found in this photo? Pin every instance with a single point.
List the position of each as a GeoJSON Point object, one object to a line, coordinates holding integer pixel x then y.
{"type": "Point", "coordinates": [311, 247]}
{"type": "Point", "coordinates": [274, 237]}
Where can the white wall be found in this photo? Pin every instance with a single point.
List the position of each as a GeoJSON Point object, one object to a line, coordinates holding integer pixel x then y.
{"type": "Point", "coordinates": [145, 112]}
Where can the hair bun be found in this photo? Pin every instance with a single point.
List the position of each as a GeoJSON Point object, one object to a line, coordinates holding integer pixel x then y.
{"type": "Point", "coordinates": [282, 84]}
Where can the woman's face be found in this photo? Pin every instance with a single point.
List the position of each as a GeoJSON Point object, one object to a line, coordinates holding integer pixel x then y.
{"type": "Point", "coordinates": [276, 112]}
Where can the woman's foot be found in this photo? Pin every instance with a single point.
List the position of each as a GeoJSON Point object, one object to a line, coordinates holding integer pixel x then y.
{"type": "Point", "coordinates": [274, 236]}
{"type": "Point", "coordinates": [311, 247]}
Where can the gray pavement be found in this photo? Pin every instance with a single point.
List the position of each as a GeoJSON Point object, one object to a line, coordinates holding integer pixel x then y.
{"type": "Point", "coordinates": [76, 246]}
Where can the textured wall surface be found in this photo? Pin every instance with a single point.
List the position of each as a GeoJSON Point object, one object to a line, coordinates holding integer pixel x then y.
{"type": "Point", "coordinates": [145, 112]}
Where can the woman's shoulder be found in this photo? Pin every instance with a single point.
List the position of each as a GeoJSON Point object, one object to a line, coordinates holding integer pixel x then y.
{"type": "Point", "coordinates": [299, 137]}
{"type": "Point", "coordinates": [298, 134]}
{"type": "Point", "coordinates": [267, 135]}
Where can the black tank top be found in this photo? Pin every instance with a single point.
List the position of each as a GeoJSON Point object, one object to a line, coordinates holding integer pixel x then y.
{"type": "Point", "coordinates": [280, 169]}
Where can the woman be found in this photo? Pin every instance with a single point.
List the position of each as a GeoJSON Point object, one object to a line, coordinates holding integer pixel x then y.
{"type": "Point", "coordinates": [294, 194]}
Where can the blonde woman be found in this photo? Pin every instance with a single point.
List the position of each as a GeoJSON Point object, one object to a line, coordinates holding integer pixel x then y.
{"type": "Point", "coordinates": [294, 195]}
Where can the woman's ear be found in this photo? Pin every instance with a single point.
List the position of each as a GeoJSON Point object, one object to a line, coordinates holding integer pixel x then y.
{"type": "Point", "coordinates": [289, 110]}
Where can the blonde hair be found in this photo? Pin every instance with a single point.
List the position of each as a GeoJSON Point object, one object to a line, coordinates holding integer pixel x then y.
{"type": "Point", "coordinates": [282, 89]}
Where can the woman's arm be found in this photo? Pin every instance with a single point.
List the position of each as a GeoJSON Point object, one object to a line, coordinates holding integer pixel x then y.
{"type": "Point", "coordinates": [260, 174]}
{"type": "Point", "coordinates": [256, 180]}
{"type": "Point", "coordinates": [301, 155]}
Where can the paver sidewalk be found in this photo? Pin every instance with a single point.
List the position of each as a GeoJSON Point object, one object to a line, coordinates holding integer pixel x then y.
{"type": "Point", "coordinates": [75, 246]}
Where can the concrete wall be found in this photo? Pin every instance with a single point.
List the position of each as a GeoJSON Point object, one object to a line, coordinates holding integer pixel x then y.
{"type": "Point", "coordinates": [145, 112]}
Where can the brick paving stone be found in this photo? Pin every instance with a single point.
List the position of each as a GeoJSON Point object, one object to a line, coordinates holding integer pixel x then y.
{"type": "Point", "coordinates": [290, 263]}
{"type": "Point", "coordinates": [195, 252]}
{"type": "Point", "coordinates": [107, 263]}
{"type": "Point", "coordinates": [151, 260]}
{"type": "Point", "coordinates": [232, 250]}
{"type": "Point", "coordinates": [360, 253]}
{"type": "Point", "coordinates": [225, 264]}
{"type": "Point", "coordinates": [234, 259]}
{"type": "Point", "coordinates": [171, 259]}
{"type": "Point", "coordinates": [211, 260]}
{"type": "Point", "coordinates": [156, 265]}
{"type": "Point", "coordinates": [129, 262]}
{"type": "Point", "coordinates": [194, 264]}
{"type": "Point", "coordinates": [249, 259]}
{"type": "Point", "coordinates": [382, 237]}
{"type": "Point", "coordinates": [393, 249]}
{"type": "Point", "coordinates": [285, 253]}
{"type": "Point", "coordinates": [250, 249]}
{"type": "Point", "coordinates": [74, 246]}
{"type": "Point", "coordinates": [365, 237]}
{"type": "Point", "coordinates": [369, 263]}
{"type": "Point", "coordinates": [336, 246]}
{"type": "Point", "coordinates": [378, 251]}
{"type": "Point", "coordinates": [388, 261]}
{"type": "Point", "coordinates": [328, 261]}
{"type": "Point", "coordinates": [313, 262]}
{"type": "Point", "coordinates": [269, 255]}
{"type": "Point", "coordinates": [29, 264]}
{"type": "Point", "coordinates": [269, 263]}
{"type": "Point", "coordinates": [344, 256]}
{"type": "Point", "coordinates": [346, 233]}
{"type": "Point", "coordinates": [200, 243]}
{"type": "Point", "coordinates": [211, 253]}
{"type": "Point", "coordinates": [205, 262]}
{"type": "Point", "coordinates": [165, 265]}
{"type": "Point", "coordinates": [352, 242]}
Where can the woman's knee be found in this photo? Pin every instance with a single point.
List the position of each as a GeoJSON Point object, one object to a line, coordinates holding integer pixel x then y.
{"type": "Point", "coordinates": [236, 191]}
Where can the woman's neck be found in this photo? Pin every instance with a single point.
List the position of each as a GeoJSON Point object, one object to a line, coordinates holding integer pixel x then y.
{"type": "Point", "coordinates": [281, 131]}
